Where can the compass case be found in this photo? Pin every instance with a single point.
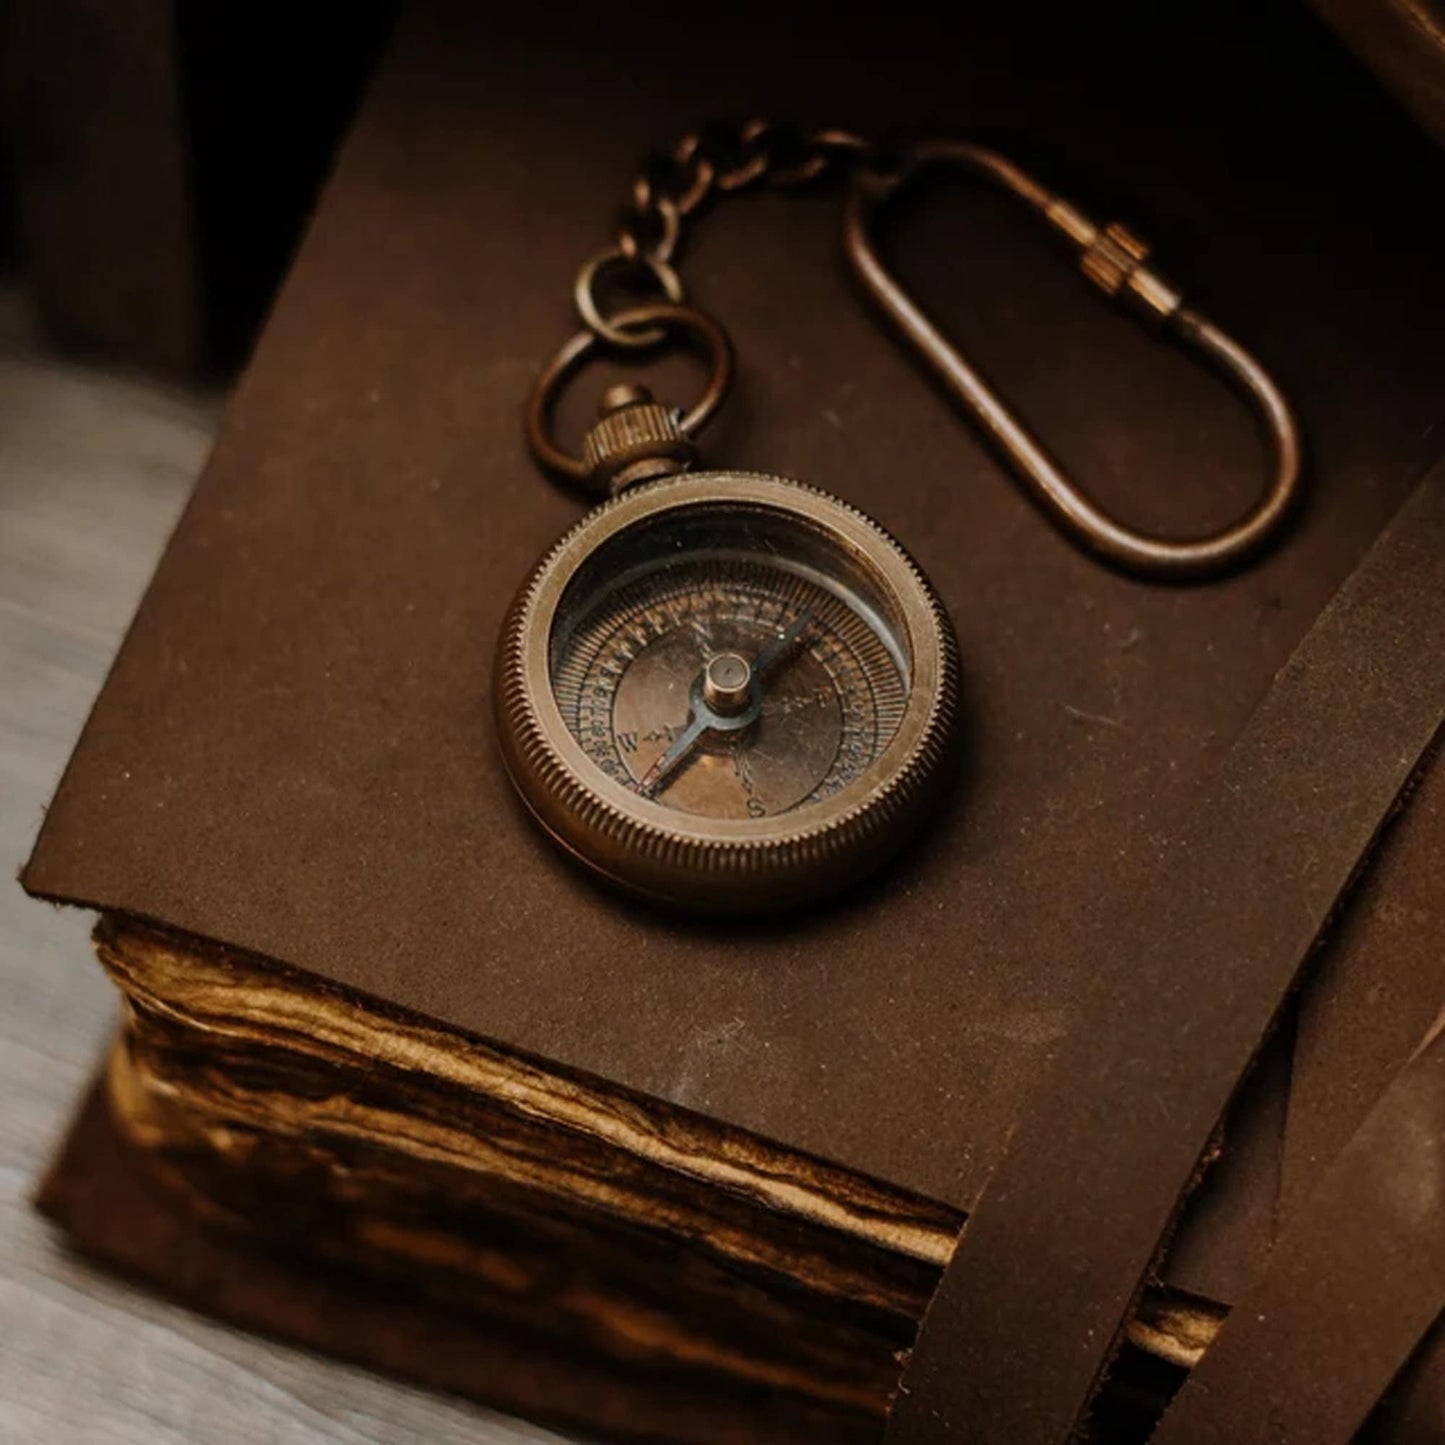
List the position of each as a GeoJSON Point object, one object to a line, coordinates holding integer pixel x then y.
{"type": "Point", "coordinates": [289, 791]}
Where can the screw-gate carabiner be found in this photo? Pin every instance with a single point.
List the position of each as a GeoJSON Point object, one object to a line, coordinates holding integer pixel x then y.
{"type": "Point", "coordinates": [1113, 260]}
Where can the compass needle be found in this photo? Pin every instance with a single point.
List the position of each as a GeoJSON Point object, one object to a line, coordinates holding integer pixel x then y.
{"type": "Point", "coordinates": [780, 648]}
{"type": "Point", "coordinates": [681, 747]}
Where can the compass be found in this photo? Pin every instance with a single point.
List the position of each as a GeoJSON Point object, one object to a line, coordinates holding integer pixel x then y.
{"type": "Point", "coordinates": [727, 691]}
{"type": "Point", "coordinates": [730, 691]}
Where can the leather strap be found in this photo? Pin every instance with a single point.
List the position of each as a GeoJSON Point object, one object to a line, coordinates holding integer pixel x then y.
{"type": "Point", "coordinates": [1413, 1410]}
{"type": "Point", "coordinates": [1190, 976]}
{"type": "Point", "coordinates": [1349, 1291]}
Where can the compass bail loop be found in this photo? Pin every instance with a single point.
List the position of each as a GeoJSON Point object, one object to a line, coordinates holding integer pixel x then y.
{"type": "Point", "coordinates": [636, 438]}
{"type": "Point", "coordinates": [1115, 261]}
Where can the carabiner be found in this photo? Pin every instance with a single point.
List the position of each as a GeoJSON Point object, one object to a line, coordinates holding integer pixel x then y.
{"type": "Point", "coordinates": [1113, 260]}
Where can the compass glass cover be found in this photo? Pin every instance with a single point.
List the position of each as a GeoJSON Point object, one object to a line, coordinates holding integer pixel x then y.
{"type": "Point", "coordinates": [730, 661]}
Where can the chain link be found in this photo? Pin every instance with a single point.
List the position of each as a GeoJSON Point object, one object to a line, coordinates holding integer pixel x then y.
{"type": "Point", "coordinates": [674, 186]}
{"type": "Point", "coordinates": [719, 159]}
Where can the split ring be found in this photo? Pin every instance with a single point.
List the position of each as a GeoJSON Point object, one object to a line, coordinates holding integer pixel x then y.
{"type": "Point", "coordinates": [613, 329]}
{"type": "Point", "coordinates": [660, 320]}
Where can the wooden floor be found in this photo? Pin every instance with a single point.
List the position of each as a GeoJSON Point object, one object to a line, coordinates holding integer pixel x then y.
{"type": "Point", "coordinates": [94, 468]}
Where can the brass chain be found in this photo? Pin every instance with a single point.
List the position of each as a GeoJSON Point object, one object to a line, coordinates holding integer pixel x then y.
{"type": "Point", "coordinates": [674, 186]}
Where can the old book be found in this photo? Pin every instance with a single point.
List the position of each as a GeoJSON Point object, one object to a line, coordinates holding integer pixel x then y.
{"type": "Point", "coordinates": [380, 1032]}
{"type": "Point", "coordinates": [617, 1225]}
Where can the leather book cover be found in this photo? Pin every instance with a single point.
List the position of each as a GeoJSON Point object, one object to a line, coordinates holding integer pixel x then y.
{"type": "Point", "coordinates": [294, 753]}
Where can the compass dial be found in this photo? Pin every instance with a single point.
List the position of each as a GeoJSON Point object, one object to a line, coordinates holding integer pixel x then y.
{"type": "Point", "coordinates": [726, 690]}
{"type": "Point", "coordinates": [629, 677]}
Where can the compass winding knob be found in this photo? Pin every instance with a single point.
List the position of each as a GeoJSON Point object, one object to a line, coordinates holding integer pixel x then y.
{"type": "Point", "coordinates": [636, 439]}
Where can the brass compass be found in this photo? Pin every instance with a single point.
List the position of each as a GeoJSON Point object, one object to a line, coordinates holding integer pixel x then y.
{"type": "Point", "coordinates": [733, 692]}
{"type": "Point", "coordinates": [727, 691]}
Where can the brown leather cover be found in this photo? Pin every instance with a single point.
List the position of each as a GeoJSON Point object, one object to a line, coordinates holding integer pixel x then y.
{"type": "Point", "coordinates": [1352, 1286]}
{"type": "Point", "coordinates": [1373, 993]}
{"type": "Point", "coordinates": [1227, 908]}
{"type": "Point", "coordinates": [294, 755]}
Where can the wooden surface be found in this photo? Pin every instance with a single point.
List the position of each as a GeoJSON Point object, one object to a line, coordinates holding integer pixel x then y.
{"type": "Point", "coordinates": [93, 471]}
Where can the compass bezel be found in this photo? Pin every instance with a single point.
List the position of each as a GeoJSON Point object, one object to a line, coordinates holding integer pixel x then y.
{"type": "Point", "coordinates": [742, 864]}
